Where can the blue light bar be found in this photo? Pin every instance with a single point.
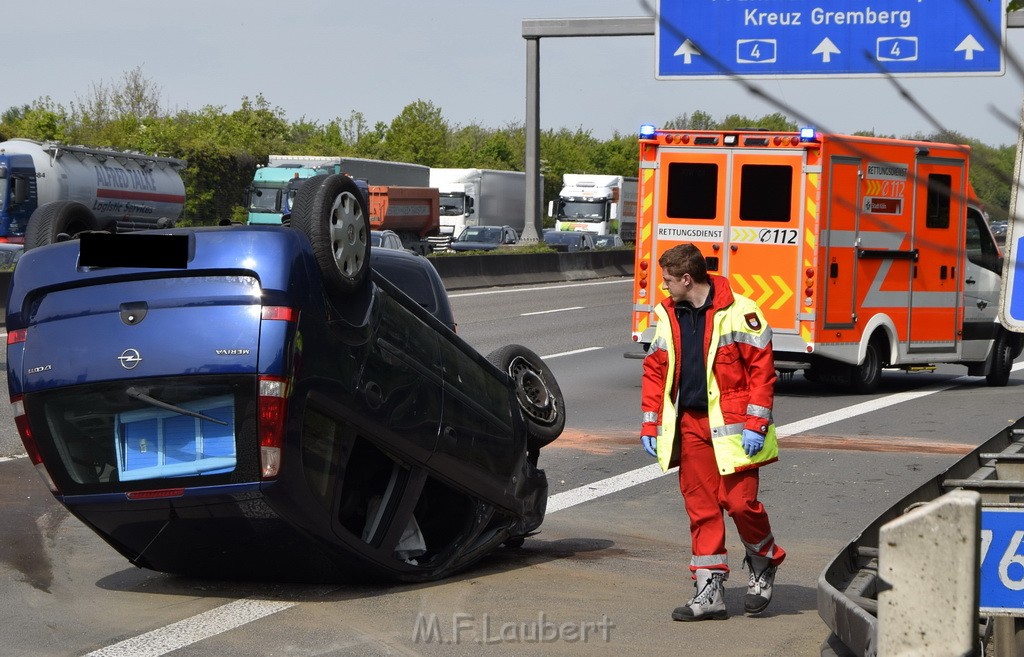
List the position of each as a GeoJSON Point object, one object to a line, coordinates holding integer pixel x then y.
{"type": "Point", "coordinates": [647, 131]}
{"type": "Point", "coordinates": [808, 134]}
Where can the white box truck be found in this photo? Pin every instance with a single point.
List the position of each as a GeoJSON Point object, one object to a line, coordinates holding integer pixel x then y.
{"type": "Point", "coordinates": [479, 197]}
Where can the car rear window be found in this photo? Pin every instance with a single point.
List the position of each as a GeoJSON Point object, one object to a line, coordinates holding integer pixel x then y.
{"type": "Point", "coordinates": [125, 435]}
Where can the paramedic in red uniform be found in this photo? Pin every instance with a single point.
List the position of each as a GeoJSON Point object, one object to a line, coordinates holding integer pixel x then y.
{"type": "Point", "coordinates": [707, 393]}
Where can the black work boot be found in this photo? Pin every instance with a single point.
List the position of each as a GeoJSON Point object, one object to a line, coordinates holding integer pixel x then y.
{"type": "Point", "coordinates": [759, 586]}
{"type": "Point", "coordinates": [709, 601]}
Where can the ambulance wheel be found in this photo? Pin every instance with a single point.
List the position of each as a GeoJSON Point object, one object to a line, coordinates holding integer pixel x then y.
{"type": "Point", "coordinates": [332, 213]}
{"type": "Point", "coordinates": [57, 222]}
{"type": "Point", "coordinates": [1002, 360]}
{"type": "Point", "coordinates": [864, 378]}
{"type": "Point", "coordinates": [537, 392]}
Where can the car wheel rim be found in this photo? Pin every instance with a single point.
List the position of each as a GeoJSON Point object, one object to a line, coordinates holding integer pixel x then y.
{"type": "Point", "coordinates": [348, 235]}
{"type": "Point", "coordinates": [534, 396]}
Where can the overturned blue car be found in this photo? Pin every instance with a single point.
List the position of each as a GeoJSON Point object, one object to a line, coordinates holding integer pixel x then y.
{"type": "Point", "coordinates": [258, 402]}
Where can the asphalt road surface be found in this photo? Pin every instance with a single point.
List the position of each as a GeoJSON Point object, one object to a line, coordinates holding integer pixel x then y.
{"type": "Point", "coordinates": [601, 577]}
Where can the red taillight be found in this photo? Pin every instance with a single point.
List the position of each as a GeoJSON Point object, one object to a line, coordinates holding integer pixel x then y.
{"type": "Point", "coordinates": [16, 336]}
{"type": "Point", "coordinates": [25, 431]}
{"type": "Point", "coordinates": [273, 399]}
{"type": "Point", "coordinates": [279, 312]}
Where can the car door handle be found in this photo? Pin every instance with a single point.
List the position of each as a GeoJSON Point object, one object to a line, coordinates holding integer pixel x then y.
{"type": "Point", "coordinates": [970, 281]}
{"type": "Point", "coordinates": [982, 304]}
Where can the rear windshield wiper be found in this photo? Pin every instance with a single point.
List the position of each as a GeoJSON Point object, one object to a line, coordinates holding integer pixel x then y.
{"type": "Point", "coordinates": [135, 393]}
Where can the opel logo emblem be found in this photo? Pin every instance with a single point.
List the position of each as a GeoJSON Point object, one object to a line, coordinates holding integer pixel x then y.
{"type": "Point", "coordinates": [129, 358]}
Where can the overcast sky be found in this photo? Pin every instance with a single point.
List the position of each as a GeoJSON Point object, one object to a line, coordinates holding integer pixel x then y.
{"type": "Point", "coordinates": [322, 59]}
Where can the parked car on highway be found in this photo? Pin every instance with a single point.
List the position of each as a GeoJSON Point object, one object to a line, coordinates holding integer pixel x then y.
{"type": "Point", "coordinates": [484, 238]}
{"type": "Point", "coordinates": [607, 241]}
{"type": "Point", "coordinates": [567, 240]}
{"type": "Point", "coordinates": [273, 401]}
{"type": "Point", "coordinates": [385, 239]}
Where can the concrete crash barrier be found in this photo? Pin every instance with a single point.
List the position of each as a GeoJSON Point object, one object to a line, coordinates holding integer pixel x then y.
{"type": "Point", "coordinates": [466, 271]}
{"type": "Point", "coordinates": [861, 589]}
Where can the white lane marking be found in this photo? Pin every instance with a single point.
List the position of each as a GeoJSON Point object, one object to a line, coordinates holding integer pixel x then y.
{"type": "Point", "coordinates": [504, 290]}
{"type": "Point", "coordinates": [191, 630]}
{"type": "Point", "coordinates": [592, 491]}
{"type": "Point", "coordinates": [570, 353]}
{"type": "Point", "coordinates": [554, 310]}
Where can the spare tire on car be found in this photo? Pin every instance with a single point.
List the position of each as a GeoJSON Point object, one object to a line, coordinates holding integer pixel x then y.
{"type": "Point", "coordinates": [331, 211]}
{"type": "Point", "coordinates": [537, 392]}
{"type": "Point", "coordinates": [59, 221]}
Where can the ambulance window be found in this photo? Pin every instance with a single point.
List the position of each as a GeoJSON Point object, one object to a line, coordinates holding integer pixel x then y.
{"type": "Point", "coordinates": [939, 186]}
{"type": "Point", "coordinates": [981, 248]}
{"type": "Point", "coordinates": [692, 190]}
{"type": "Point", "coordinates": [766, 192]}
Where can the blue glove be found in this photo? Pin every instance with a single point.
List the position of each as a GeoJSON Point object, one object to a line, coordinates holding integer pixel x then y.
{"type": "Point", "coordinates": [753, 442]}
{"type": "Point", "coordinates": [650, 445]}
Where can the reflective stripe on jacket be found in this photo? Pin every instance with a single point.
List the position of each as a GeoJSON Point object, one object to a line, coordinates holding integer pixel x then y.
{"type": "Point", "coordinates": [740, 381]}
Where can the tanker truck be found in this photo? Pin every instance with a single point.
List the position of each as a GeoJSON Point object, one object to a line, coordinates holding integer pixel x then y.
{"type": "Point", "coordinates": [48, 188]}
{"type": "Point", "coordinates": [479, 197]}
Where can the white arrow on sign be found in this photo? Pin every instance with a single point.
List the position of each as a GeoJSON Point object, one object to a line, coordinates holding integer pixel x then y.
{"type": "Point", "coordinates": [826, 49]}
{"type": "Point", "coordinates": [687, 50]}
{"type": "Point", "coordinates": [968, 46]}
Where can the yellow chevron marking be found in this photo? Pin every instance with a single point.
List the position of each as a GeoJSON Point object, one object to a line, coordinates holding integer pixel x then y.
{"type": "Point", "coordinates": [745, 289]}
{"type": "Point", "coordinates": [810, 239]}
{"type": "Point", "coordinates": [786, 292]}
{"type": "Point", "coordinates": [648, 202]}
{"type": "Point", "coordinates": [741, 235]}
{"type": "Point", "coordinates": [645, 234]}
{"type": "Point", "coordinates": [812, 207]}
{"type": "Point", "coordinates": [805, 333]}
{"type": "Point", "coordinates": [766, 290]}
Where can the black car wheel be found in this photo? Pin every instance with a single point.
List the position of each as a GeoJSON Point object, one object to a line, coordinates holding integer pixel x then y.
{"type": "Point", "coordinates": [58, 221]}
{"type": "Point", "coordinates": [537, 392]}
{"type": "Point", "coordinates": [1002, 360]}
{"type": "Point", "coordinates": [332, 213]}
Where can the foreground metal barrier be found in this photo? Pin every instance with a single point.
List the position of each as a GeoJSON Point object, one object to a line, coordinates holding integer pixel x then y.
{"type": "Point", "coordinates": [848, 587]}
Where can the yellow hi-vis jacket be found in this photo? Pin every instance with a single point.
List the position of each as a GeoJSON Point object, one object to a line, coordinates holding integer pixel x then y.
{"type": "Point", "coordinates": [740, 372]}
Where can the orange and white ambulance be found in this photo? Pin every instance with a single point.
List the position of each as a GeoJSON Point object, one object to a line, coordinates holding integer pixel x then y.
{"type": "Point", "coordinates": [863, 253]}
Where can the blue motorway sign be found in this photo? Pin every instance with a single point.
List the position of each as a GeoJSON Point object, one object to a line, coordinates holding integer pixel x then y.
{"type": "Point", "coordinates": [1002, 561]}
{"type": "Point", "coordinates": [828, 38]}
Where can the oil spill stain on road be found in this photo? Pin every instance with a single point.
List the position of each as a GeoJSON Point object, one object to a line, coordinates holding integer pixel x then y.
{"type": "Point", "coordinates": [594, 442]}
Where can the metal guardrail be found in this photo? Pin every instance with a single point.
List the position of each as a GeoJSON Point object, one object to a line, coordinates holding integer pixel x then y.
{"type": "Point", "coordinates": [848, 587]}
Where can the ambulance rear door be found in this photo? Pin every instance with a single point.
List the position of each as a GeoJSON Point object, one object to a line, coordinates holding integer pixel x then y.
{"type": "Point", "coordinates": [690, 200]}
{"type": "Point", "coordinates": [764, 253]}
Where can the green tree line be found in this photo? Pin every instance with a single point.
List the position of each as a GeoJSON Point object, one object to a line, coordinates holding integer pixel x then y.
{"type": "Point", "coordinates": [224, 147]}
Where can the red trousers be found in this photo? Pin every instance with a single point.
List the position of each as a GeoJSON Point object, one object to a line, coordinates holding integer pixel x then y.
{"type": "Point", "coordinates": [707, 494]}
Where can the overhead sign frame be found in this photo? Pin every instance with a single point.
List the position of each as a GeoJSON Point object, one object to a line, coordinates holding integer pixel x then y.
{"type": "Point", "coordinates": [714, 39]}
